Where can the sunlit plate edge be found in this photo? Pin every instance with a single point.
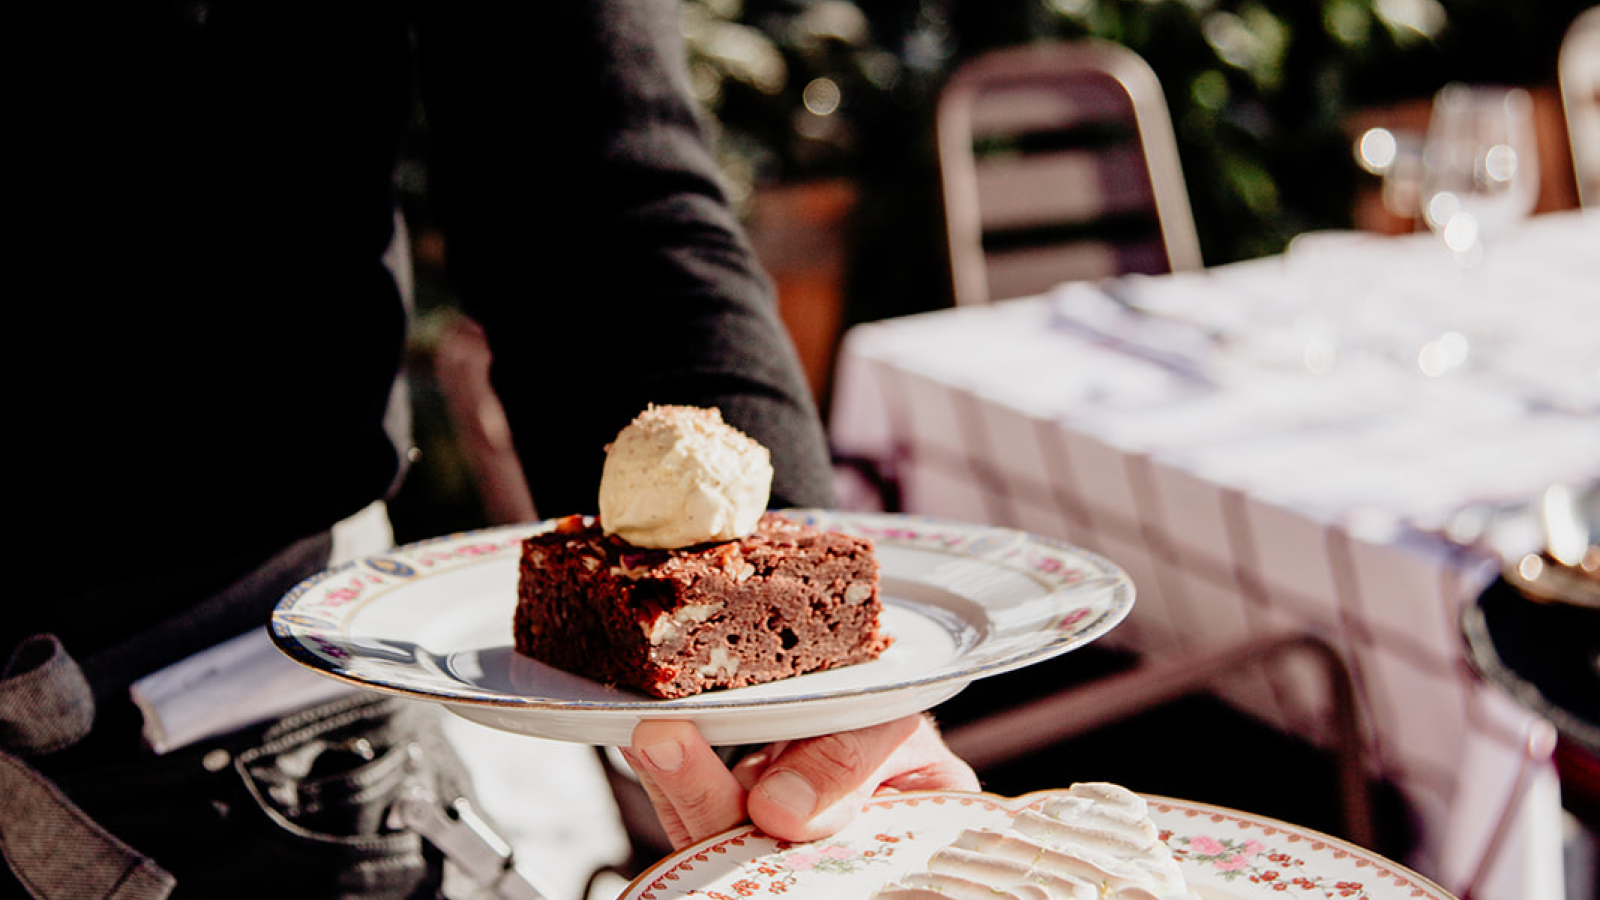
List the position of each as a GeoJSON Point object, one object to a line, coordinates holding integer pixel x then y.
{"type": "Point", "coordinates": [1404, 880]}
{"type": "Point", "coordinates": [1108, 576]}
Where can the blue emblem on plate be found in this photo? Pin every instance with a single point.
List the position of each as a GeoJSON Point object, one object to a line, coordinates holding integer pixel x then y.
{"type": "Point", "coordinates": [388, 565]}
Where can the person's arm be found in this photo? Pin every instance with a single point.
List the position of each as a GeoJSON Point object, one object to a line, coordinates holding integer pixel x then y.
{"type": "Point", "coordinates": [798, 790]}
{"type": "Point", "coordinates": [588, 231]}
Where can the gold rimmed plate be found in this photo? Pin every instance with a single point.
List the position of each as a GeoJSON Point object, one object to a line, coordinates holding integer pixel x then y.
{"type": "Point", "coordinates": [432, 621]}
{"type": "Point", "coordinates": [1224, 854]}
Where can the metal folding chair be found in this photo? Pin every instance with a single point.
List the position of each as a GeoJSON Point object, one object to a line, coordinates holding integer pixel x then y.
{"type": "Point", "coordinates": [1059, 163]}
{"type": "Point", "coordinates": [1579, 68]}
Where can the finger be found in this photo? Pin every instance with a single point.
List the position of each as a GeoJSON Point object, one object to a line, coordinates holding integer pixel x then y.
{"type": "Point", "coordinates": [671, 823]}
{"type": "Point", "coordinates": [694, 794]}
{"type": "Point", "coordinates": [817, 786]}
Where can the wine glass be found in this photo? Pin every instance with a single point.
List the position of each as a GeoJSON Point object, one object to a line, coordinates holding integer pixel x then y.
{"type": "Point", "coordinates": [1480, 165]}
{"type": "Point", "coordinates": [1480, 176]}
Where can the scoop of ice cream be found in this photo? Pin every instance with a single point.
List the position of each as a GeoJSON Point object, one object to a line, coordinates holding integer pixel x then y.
{"type": "Point", "coordinates": [678, 475]}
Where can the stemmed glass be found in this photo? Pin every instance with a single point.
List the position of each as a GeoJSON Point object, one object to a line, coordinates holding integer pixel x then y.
{"type": "Point", "coordinates": [1480, 165]}
{"type": "Point", "coordinates": [1480, 176]}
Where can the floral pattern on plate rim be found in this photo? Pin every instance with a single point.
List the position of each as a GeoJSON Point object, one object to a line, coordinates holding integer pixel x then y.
{"type": "Point", "coordinates": [1242, 852]}
{"type": "Point", "coordinates": [1055, 564]}
{"type": "Point", "coordinates": [321, 603]}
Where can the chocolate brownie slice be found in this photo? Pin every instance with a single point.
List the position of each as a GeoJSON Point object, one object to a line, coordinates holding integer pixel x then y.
{"type": "Point", "coordinates": [788, 599]}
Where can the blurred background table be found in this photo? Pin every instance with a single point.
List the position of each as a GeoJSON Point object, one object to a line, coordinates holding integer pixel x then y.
{"type": "Point", "coordinates": [1316, 441]}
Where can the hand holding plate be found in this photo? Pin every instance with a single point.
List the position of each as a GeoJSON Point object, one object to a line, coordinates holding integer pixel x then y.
{"type": "Point", "coordinates": [795, 790]}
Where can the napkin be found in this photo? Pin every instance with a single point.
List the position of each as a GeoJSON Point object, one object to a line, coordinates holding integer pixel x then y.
{"type": "Point", "coordinates": [1106, 312]}
{"type": "Point", "coordinates": [233, 684]}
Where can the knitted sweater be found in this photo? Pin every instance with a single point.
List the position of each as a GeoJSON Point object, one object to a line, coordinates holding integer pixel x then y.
{"type": "Point", "coordinates": [210, 192]}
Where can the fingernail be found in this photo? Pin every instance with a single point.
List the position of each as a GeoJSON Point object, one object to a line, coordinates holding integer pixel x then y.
{"type": "Point", "coordinates": [788, 790]}
{"type": "Point", "coordinates": [667, 757]}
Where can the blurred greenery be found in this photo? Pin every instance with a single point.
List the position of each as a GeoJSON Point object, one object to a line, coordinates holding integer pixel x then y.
{"type": "Point", "coordinates": [1260, 91]}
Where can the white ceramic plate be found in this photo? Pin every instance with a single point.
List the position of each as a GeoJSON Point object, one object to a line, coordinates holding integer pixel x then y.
{"type": "Point", "coordinates": [432, 620]}
{"type": "Point", "coordinates": [1224, 855]}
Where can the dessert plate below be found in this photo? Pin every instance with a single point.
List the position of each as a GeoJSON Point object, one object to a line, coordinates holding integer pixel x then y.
{"type": "Point", "coordinates": [1224, 855]}
{"type": "Point", "coordinates": [432, 620]}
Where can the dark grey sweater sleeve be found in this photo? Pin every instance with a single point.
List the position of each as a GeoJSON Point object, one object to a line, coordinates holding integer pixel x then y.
{"type": "Point", "coordinates": [588, 230]}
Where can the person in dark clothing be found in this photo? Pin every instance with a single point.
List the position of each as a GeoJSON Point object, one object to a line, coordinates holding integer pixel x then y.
{"type": "Point", "coordinates": [208, 202]}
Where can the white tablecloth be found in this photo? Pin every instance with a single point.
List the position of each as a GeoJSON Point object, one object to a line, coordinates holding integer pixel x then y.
{"type": "Point", "coordinates": [1311, 441]}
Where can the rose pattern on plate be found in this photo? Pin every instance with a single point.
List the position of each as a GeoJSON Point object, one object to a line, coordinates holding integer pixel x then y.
{"type": "Point", "coordinates": [1259, 864]}
{"type": "Point", "coordinates": [320, 603]}
{"type": "Point", "coordinates": [429, 620]}
{"type": "Point", "coordinates": [1285, 860]}
{"type": "Point", "coordinates": [1056, 565]}
{"type": "Point", "coordinates": [1247, 857]}
{"type": "Point", "coordinates": [778, 872]}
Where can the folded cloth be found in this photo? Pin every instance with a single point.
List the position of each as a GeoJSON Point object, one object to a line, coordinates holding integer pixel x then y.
{"type": "Point", "coordinates": [1105, 313]}
{"type": "Point", "coordinates": [246, 680]}
{"type": "Point", "coordinates": [49, 704]}
{"type": "Point", "coordinates": [236, 683]}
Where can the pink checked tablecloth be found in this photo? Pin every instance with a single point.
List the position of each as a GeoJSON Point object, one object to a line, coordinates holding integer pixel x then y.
{"type": "Point", "coordinates": [1331, 440]}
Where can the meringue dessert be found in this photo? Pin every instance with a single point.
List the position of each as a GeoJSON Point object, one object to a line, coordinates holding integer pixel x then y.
{"type": "Point", "coordinates": [1093, 842]}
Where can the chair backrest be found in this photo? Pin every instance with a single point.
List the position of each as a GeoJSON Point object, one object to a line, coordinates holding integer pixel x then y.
{"type": "Point", "coordinates": [1580, 96]}
{"type": "Point", "coordinates": [1059, 163]}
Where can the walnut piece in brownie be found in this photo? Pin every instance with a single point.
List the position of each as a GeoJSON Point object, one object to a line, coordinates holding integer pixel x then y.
{"type": "Point", "coordinates": [786, 600]}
